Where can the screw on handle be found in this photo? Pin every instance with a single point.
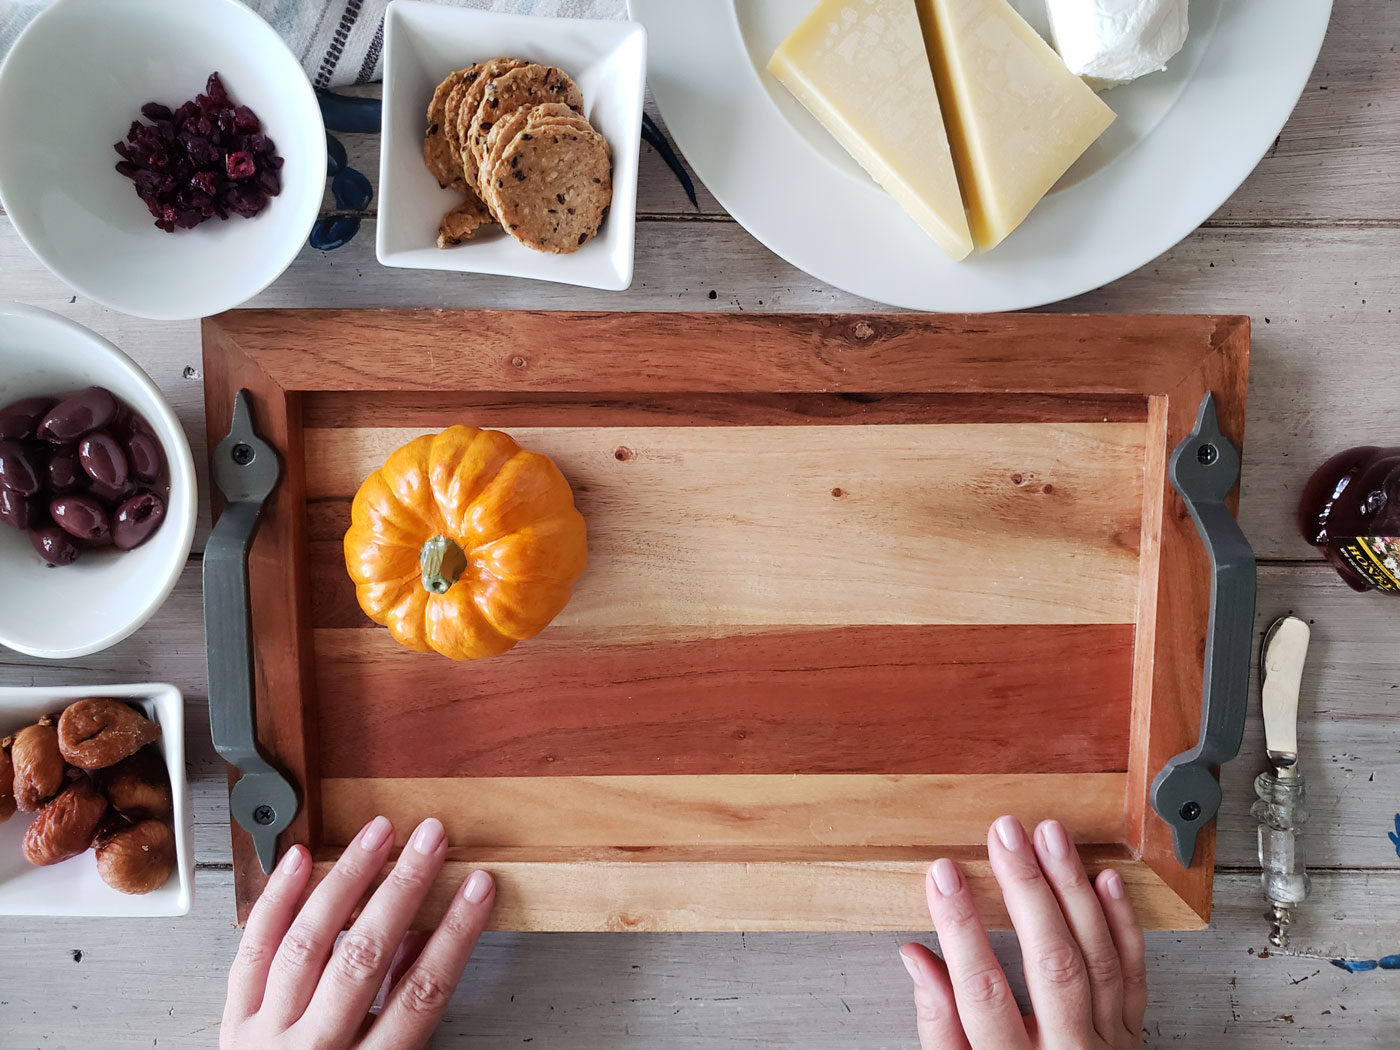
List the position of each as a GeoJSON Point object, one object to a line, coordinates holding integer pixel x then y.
{"type": "Point", "coordinates": [245, 470]}
{"type": "Point", "coordinates": [1203, 470]}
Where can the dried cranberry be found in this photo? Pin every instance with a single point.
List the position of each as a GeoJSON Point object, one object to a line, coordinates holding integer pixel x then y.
{"type": "Point", "coordinates": [181, 162]}
{"type": "Point", "coordinates": [240, 165]}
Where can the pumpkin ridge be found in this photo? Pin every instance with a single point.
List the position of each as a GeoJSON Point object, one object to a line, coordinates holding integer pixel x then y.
{"type": "Point", "coordinates": [453, 435]}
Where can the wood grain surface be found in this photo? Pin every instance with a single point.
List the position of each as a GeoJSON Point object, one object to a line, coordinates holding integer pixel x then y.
{"type": "Point", "coordinates": [719, 809]}
{"type": "Point", "coordinates": [876, 524]}
{"type": "Point", "coordinates": [565, 352]}
{"type": "Point", "coordinates": [951, 699]}
{"type": "Point", "coordinates": [868, 889]}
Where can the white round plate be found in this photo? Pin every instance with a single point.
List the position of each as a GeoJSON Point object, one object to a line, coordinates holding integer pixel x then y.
{"type": "Point", "coordinates": [1183, 142]}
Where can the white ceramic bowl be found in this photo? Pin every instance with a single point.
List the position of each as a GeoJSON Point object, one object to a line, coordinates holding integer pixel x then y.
{"type": "Point", "coordinates": [74, 610]}
{"type": "Point", "coordinates": [74, 887]}
{"type": "Point", "coordinates": [425, 42]}
{"type": "Point", "coordinates": [70, 88]}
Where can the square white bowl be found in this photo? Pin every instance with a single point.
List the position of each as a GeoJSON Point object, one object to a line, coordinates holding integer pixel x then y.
{"type": "Point", "coordinates": [424, 42]}
{"type": "Point", "coordinates": [74, 887]}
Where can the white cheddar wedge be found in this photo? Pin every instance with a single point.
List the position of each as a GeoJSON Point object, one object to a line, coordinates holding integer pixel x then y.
{"type": "Point", "coordinates": [1017, 117]}
{"type": "Point", "coordinates": [861, 69]}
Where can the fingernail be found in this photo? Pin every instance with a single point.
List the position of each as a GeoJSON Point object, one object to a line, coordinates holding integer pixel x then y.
{"type": "Point", "coordinates": [1113, 882]}
{"type": "Point", "coordinates": [428, 837]}
{"type": "Point", "coordinates": [376, 833]}
{"type": "Point", "coordinates": [1052, 833]}
{"type": "Point", "coordinates": [946, 876]}
{"type": "Point", "coordinates": [915, 973]}
{"type": "Point", "coordinates": [291, 861]}
{"type": "Point", "coordinates": [478, 887]}
{"type": "Point", "coordinates": [1012, 835]}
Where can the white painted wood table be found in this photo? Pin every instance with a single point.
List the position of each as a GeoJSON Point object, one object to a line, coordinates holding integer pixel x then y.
{"type": "Point", "coordinates": [1308, 247]}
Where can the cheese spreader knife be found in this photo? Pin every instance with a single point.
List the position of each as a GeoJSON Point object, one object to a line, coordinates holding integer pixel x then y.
{"type": "Point", "coordinates": [1282, 807]}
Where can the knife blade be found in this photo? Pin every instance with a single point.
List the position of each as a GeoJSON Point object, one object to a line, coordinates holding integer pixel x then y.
{"type": "Point", "coordinates": [1285, 652]}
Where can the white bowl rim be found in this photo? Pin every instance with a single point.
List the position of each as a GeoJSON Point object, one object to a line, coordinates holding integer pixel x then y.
{"type": "Point", "coordinates": [179, 458]}
{"type": "Point", "coordinates": [317, 161]}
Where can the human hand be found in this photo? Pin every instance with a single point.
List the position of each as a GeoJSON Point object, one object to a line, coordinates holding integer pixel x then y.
{"type": "Point", "coordinates": [1082, 949]}
{"type": "Point", "coordinates": [293, 987]}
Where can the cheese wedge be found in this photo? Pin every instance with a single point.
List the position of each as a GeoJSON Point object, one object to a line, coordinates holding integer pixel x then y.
{"type": "Point", "coordinates": [861, 69]}
{"type": "Point", "coordinates": [1017, 117]}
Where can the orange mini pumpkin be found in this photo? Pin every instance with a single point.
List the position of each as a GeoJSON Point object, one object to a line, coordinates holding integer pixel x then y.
{"type": "Point", "coordinates": [464, 544]}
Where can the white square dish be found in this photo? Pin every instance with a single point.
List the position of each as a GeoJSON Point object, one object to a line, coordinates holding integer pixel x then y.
{"type": "Point", "coordinates": [74, 887]}
{"type": "Point", "coordinates": [423, 43]}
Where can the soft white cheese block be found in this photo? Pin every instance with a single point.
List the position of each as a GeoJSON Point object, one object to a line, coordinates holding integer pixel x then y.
{"type": "Point", "coordinates": [1110, 42]}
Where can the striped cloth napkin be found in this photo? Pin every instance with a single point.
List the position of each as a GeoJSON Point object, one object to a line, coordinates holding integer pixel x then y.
{"type": "Point", "coordinates": [338, 41]}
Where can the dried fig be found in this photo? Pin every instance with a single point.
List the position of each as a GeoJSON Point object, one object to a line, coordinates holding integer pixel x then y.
{"type": "Point", "coordinates": [38, 765]}
{"type": "Point", "coordinates": [96, 733]}
{"type": "Point", "coordinates": [137, 859]}
{"type": "Point", "coordinates": [65, 827]}
{"type": "Point", "coordinates": [138, 787]}
{"type": "Point", "coordinates": [7, 782]}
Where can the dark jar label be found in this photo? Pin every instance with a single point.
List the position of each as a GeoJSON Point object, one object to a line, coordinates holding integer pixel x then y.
{"type": "Point", "coordinates": [1377, 558]}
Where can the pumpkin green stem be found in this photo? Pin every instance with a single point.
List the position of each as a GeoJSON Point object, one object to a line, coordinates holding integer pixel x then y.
{"type": "Point", "coordinates": [442, 561]}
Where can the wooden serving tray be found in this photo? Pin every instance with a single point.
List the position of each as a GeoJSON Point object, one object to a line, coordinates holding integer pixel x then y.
{"type": "Point", "coordinates": [857, 585]}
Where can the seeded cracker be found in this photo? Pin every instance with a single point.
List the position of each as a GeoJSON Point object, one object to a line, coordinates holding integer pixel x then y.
{"type": "Point", "coordinates": [552, 190]}
{"type": "Point", "coordinates": [470, 101]}
{"type": "Point", "coordinates": [438, 154]}
{"type": "Point", "coordinates": [462, 222]}
{"type": "Point", "coordinates": [452, 106]}
{"type": "Point", "coordinates": [523, 86]}
{"type": "Point", "coordinates": [503, 131]}
{"type": "Point", "coordinates": [540, 119]}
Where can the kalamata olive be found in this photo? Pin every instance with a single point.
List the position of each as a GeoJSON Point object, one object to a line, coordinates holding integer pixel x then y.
{"type": "Point", "coordinates": [136, 519]}
{"type": "Point", "coordinates": [17, 510]}
{"type": "Point", "coordinates": [65, 471]}
{"type": "Point", "coordinates": [103, 459]}
{"type": "Point", "coordinates": [19, 420]}
{"type": "Point", "coordinates": [54, 545]}
{"type": "Point", "coordinates": [18, 470]}
{"type": "Point", "coordinates": [83, 517]}
{"type": "Point", "coordinates": [144, 453]}
{"type": "Point", "coordinates": [88, 410]}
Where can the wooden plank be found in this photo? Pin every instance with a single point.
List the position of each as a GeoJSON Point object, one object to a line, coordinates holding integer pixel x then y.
{"type": "Point", "coordinates": [530, 351]}
{"type": "Point", "coordinates": [851, 700]}
{"type": "Point", "coordinates": [676, 890]}
{"type": "Point", "coordinates": [877, 810]}
{"type": "Point", "coordinates": [904, 524]}
{"type": "Point", "coordinates": [437, 410]}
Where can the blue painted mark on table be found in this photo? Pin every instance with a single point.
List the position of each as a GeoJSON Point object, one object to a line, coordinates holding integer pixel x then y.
{"type": "Point", "coordinates": [1385, 962]}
